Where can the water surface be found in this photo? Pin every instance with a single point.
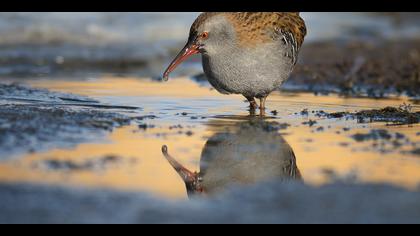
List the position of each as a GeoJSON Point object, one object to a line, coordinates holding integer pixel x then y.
{"type": "Point", "coordinates": [184, 115]}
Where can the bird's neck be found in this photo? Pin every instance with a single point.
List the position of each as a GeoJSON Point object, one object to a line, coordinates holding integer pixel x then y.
{"type": "Point", "coordinates": [224, 52]}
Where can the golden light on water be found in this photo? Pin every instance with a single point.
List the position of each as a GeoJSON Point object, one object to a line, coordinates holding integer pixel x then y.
{"type": "Point", "coordinates": [144, 168]}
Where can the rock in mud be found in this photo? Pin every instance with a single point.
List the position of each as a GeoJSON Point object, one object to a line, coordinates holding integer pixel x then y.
{"type": "Point", "coordinates": [304, 112]}
{"type": "Point", "coordinates": [376, 134]}
{"type": "Point", "coordinates": [146, 126]}
{"type": "Point", "coordinates": [145, 117]}
{"type": "Point", "coordinates": [385, 141]}
{"type": "Point", "coordinates": [70, 165]}
{"type": "Point", "coordinates": [310, 123]}
{"type": "Point", "coordinates": [416, 151]}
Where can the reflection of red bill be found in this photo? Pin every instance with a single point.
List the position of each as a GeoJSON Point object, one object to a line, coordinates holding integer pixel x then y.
{"type": "Point", "coordinates": [191, 179]}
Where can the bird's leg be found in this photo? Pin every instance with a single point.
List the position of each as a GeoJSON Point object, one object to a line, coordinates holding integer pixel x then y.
{"type": "Point", "coordinates": [262, 112]}
{"type": "Point", "coordinates": [262, 102]}
{"type": "Point", "coordinates": [252, 103]}
{"type": "Point", "coordinates": [262, 105]}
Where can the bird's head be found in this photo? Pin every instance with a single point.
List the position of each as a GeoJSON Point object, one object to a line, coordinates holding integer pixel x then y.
{"type": "Point", "coordinates": [209, 34]}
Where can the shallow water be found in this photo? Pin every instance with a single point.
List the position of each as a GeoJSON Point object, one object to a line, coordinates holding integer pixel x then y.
{"type": "Point", "coordinates": [187, 115]}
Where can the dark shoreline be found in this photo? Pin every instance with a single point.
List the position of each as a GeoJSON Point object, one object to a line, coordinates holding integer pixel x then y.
{"type": "Point", "coordinates": [375, 68]}
{"type": "Point", "coordinates": [358, 68]}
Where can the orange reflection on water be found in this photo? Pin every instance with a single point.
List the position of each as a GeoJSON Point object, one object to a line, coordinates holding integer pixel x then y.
{"type": "Point", "coordinates": [178, 88]}
{"type": "Point", "coordinates": [152, 173]}
{"type": "Point", "coordinates": [370, 166]}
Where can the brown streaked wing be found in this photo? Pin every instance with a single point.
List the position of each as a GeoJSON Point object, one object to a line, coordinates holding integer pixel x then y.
{"type": "Point", "coordinates": [254, 27]}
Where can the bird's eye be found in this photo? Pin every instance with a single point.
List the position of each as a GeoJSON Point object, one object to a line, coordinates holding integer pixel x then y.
{"type": "Point", "coordinates": [204, 35]}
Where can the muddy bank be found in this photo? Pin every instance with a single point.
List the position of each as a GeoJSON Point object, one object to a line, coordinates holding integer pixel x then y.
{"type": "Point", "coordinates": [266, 203]}
{"type": "Point", "coordinates": [395, 115]}
{"type": "Point", "coordinates": [33, 120]}
{"type": "Point", "coordinates": [359, 68]}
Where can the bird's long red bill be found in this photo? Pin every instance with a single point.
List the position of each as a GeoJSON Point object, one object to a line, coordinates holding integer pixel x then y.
{"type": "Point", "coordinates": [187, 51]}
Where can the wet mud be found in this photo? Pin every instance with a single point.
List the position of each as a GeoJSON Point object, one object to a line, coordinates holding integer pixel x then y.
{"type": "Point", "coordinates": [358, 68]}
{"type": "Point", "coordinates": [395, 115]}
{"type": "Point", "coordinates": [34, 120]}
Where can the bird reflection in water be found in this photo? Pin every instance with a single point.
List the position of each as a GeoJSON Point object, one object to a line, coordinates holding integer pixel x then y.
{"type": "Point", "coordinates": [253, 151]}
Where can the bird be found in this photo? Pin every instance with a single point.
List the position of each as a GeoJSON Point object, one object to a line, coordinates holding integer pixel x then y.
{"type": "Point", "coordinates": [248, 53]}
{"type": "Point", "coordinates": [249, 153]}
